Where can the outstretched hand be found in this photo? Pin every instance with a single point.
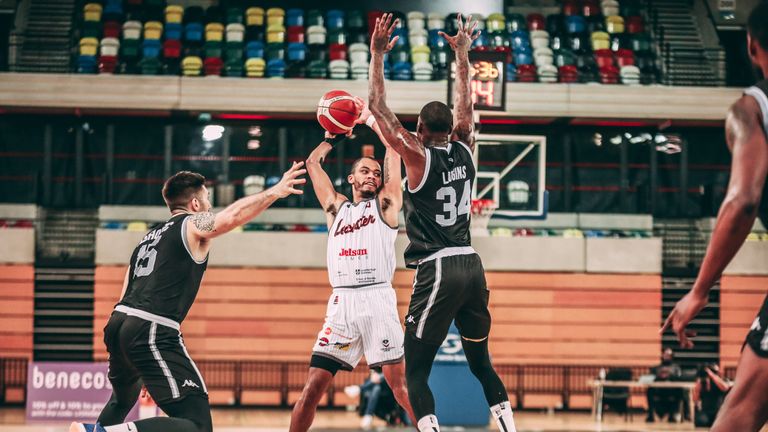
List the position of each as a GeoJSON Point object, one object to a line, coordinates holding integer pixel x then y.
{"type": "Point", "coordinates": [466, 34]}
{"type": "Point", "coordinates": [685, 310]}
{"type": "Point", "coordinates": [382, 32]}
{"type": "Point", "coordinates": [291, 179]}
{"type": "Point", "coordinates": [365, 112]}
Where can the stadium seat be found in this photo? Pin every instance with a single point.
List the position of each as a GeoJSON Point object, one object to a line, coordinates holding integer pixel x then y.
{"type": "Point", "coordinates": [536, 21]}
{"type": "Point", "coordinates": [112, 29]}
{"type": "Point", "coordinates": [435, 21]}
{"type": "Point", "coordinates": [109, 47]}
{"type": "Point", "coordinates": [634, 24]}
{"type": "Point", "coordinates": [274, 51]}
{"type": "Point", "coordinates": [214, 15]}
{"type": "Point", "coordinates": [153, 30]}
{"type": "Point", "coordinates": [610, 7]}
{"type": "Point", "coordinates": [276, 68]}
{"type": "Point", "coordinates": [630, 74]}
{"type": "Point", "coordinates": [402, 71]}
{"type": "Point", "coordinates": [539, 39]}
{"type": "Point", "coordinates": [151, 65]}
{"type": "Point", "coordinates": [254, 16]}
{"type": "Point", "coordinates": [294, 17]}
{"type": "Point", "coordinates": [629, 8]}
{"type": "Point", "coordinates": [92, 12]}
{"type": "Point", "coordinates": [132, 30]}
{"type": "Point", "coordinates": [254, 33]}
{"type": "Point", "coordinates": [316, 35]}
{"type": "Point", "coordinates": [555, 25]}
{"type": "Point", "coordinates": [522, 58]}
{"type": "Point", "coordinates": [547, 73]}
{"type": "Point", "coordinates": [625, 57]}
{"type": "Point", "coordinates": [570, 8]}
{"type": "Point", "coordinates": [575, 24]}
{"type": "Point", "coordinates": [640, 43]}
{"type": "Point", "coordinates": [150, 48]}
{"type": "Point", "coordinates": [107, 64]}
{"type": "Point", "coordinates": [113, 11]}
{"type": "Point", "coordinates": [579, 43]}
{"type": "Point", "coordinates": [526, 73]}
{"type": "Point", "coordinates": [294, 34]}
{"type": "Point", "coordinates": [173, 31]}
{"type": "Point", "coordinates": [543, 56]}
{"type": "Point", "coordinates": [418, 37]}
{"type": "Point", "coordinates": [358, 53]}
{"type": "Point", "coordinates": [254, 49]}
{"type": "Point", "coordinates": [420, 54]}
{"type": "Point", "coordinates": [339, 69]}
{"type": "Point", "coordinates": [297, 52]}
{"type": "Point", "coordinates": [234, 16]}
{"type": "Point", "coordinates": [87, 64]}
{"type": "Point", "coordinates": [595, 23]}
{"type": "Point", "coordinates": [194, 14]}
{"type": "Point", "coordinates": [334, 19]}
{"type": "Point", "coordinates": [614, 24]}
{"type": "Point", "coordinates": [336, 36]}
{"type": "Point", "coordinates": [438, 57]}
{"type": "Point", "coordinates": [604, 58]}
{"type": "Point", "coordinates": [515, 22]}
{"type": "Point", "coordinates": [359, 70]}
{"type": "Point", "coordinates": [193, 32]}
{"type": "Point", "coordinates": [416, 20]}
{"type": "Point", "coordinates": [317, 69]}
{"type": "Point", "coordinates": [174, 14]}
{"type": "Point", "coordinates": [449, 23]}
{"type": "Point", "coordinates": [235, 32]}
{"type": "Point", "coordinates": [337, 52]}
{"type": "Point", "coordinates": [233, 68]}
{"type": "Point", "coordinates": [276, 33]}
{"type": "Point", "coordinates": [480, 19]}
{"type": "Point", "coordinates": [255, 67]}
{"type": "Point", "coordinates": [172, 49]}
{"type": "Point", "coordinates": [590, 8]}
{"type": "Point", "coordinates": [275, 16]}
{"type": "Point", "coordinates": [609, 75]}
{"type": "Point", "coordinates": [519, 39]}
{"type": "Point", "coordinates": [192, 66]}
{"type": "Point", "coordinates": [601, 41]}
{"type": "Point", "coordinates": [213, 49]}
{"type": "Point", "coordinates": [214, 32]}
{"type": "Point", "coordinates": [233, 51]}
{"type": "Point", "coordinates": [213, 66]}
{"type": "Point", "coordinates": [511, 72]}
{"type": "Point", "coordinates": [568, 74]}
{"type": "Point", "coordinates": [564, 57]}
{"type": "Point", "coordinates": [495, 23]}
{"type": "Point", "coordinates": [89, 46]}
{"type": "Point", "coordinates": [137, 226]}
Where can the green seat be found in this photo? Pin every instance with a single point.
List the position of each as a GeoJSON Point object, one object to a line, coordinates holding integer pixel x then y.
{"type": "Point", "coordinates": [151, 66]}
{"type": "Point", "coordinates": [337, 36]}
{"type": "Point", "coordinates": [234, 51]}
{"type": "Point", "coordinates": [129, 49]}
{"type": "Point", "coordinates": [275, 51]}
{"type": "Point", "coordinates": [234, 15]}
{"type": "Point", "coordinates": [356, 19]}
{"type": "Point", "coordinates": [315, 18]}
{"type": "Point", "coordinates": [640, 42]}
{"type": "Point", "coordinates": [212, 49]}
{"type": "Point", "coordinates": [317, 69]}
{"type": "Point", "coordinates": [234, 67]}
{"type": "Point", "coordinates": [91, 29]}
{"type": "Point", "coordinates": [498, 39]}
{"type": "Point", "coordinates": [564, 58]}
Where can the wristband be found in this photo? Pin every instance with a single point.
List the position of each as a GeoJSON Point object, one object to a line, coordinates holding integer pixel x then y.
{"type": "Point", "coordinates": [336, 140]}
{"type": "Point", "coordinates": [370, 121]}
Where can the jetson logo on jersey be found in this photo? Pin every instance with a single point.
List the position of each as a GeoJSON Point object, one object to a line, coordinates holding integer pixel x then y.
{"type": "Point", "coordinates": [458, 173]}
{"type": "Point", "coordinates": [345, 252]}
{"type": "Point", "coordinates": [359, 224]}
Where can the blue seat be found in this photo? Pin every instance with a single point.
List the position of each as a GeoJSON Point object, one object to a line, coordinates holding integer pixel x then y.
{"type": "Point", "coordinates": [334, 19]}
{"type": "Point", "coordinates": [87, 64]}
{"type": "Point", "coordinates": [520, 39]}
{"type": "Point", "coordinates": [276, 68]}
{"type": "Point", "coordinates": [294, 17]}
{"type": "Point", "coordinates": [193, 32]}
{"type": "Point", "coordinates": [575, 24]}
{"type": "Point", "coordinates": [113, 11]}
{"type": "Point", "coordinates": [435, 40]}
{"type": "Point", "coordinates": [523, 58]}
{"type": "Point", "coordinates": [402, 71]}
{"type": "Point", "coordinates": [511, 72]}
{"type": "Point", "coordinates": [481, 41]}
{"type": "Point", "coordinates": [254, 49]}
{"type": "Point", "coordinates": [173, 31]}
{"type": "Point", "coordinates": [297, 52]}
{"type": "Point", "coordinates": [151, 48]}
{"type": "Point", "coordinates": [403, 33]}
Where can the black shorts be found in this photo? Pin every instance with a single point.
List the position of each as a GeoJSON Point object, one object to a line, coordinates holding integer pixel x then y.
{"type": "Point", "coordinates": [757, 338]}
{"type": "Point", "coordinates": [153, 353]}
{"type": "Point", "coordinates": [445, 289]}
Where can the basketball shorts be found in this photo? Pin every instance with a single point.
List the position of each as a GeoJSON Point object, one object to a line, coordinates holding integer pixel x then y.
{"type": "Point", "coordinates": [757, 338]}
{"type": "Point", "coordinates": [151, 348]}
{"type": "Point", "coordinates": [448, 288]}
{"type": "Point", "coordinates": [361, 321]}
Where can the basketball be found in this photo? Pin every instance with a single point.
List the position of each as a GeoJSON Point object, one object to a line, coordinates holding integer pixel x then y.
{"type": "Point", "coordinates": [337, 112]}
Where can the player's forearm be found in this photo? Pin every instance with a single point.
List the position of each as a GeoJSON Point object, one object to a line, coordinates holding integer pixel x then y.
{"type": "Point", "coordinates": [321, 183]}
{"type": "Point", "coordinates": [719, 382]}
{"type": "Point", "coordinates": [392, 174]}
{"type": "Point", "coordinates": [243, 211]}
{"type": "Point", "coordinates": [734, 223]}
{"type": "Point", "coordinates": [317, 156]}
{"type": "Point", "coordinates": [462, 101]}
{"type": "Point", "coordinates": [377, 96]}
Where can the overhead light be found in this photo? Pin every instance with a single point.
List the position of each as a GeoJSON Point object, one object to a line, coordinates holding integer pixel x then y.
{"type": "Point", "coordinates": [212, 132]}
{"type": "Point", "coordinates": [254, 144]}
{"type": "Point", "coordinates": [597, 139]}
{"type": "Point", "coordinates": [254, 131]}
{"type": "Point", "coordinates": [643, 138]}
{"type": "Point", "coordinates": [616, 140]}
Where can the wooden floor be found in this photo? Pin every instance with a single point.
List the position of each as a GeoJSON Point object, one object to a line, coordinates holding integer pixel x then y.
{"type": "Point", "coordinates": [252, 420]}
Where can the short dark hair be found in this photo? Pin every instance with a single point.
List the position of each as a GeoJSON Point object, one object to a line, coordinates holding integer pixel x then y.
{"type": "Point", "coordinates": [180, 188]}
{"type": "Point", "coordinates": [357, 162]}
{"type": "Point", "coordinates": [437, 117]}
{"type": "Point", "coordinates": [757, 24]}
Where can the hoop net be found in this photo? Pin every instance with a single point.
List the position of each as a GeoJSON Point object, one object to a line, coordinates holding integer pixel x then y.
{"type": "Point", "coordinates": [482, 210]}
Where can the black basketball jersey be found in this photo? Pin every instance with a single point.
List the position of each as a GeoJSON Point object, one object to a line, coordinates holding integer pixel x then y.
{"type": "Point", "coordinates": [163, 277]}
{"type": "Point", "coordinates": [760, 92]}
{"type": "Point", "coordinates": [437, 211]}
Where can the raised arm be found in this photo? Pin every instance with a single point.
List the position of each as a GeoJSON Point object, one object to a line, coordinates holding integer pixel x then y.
{"type": "Point", "coordinates": [392, 191]}
{"type": "Point", "coordinates": [326, 194]}
{"type": "Point", "coordinates": [749, 166]}
{"type": "Point", "coordinates": [207, 225]}
{"type": "Point", "coordinates": [392, 131]}
{"type": "Point", "coordinates": [463, 121]}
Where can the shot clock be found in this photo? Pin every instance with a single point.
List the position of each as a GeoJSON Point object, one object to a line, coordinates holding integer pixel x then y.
{"type": "Point", "coordinates": [487, 80]}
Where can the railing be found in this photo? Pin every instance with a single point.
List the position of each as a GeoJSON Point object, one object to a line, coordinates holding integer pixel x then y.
{"type": "Point", "coordinates": [563, 381]}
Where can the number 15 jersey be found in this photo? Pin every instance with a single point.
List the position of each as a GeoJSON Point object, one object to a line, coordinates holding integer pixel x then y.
{"type": "Point", "coordinates": [437, 211]}
{"type": "Point", "coordinates": [163, 278]}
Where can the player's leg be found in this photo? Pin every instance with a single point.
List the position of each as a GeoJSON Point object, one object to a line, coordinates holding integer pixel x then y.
{"type": "Point", "coordinates": [126, 385]}
{"type": "Point", "coordinates": [321, 373]}
{"type": "Point", "coordinates": [473, 320]}
{"type": "Point", "coordinates": [419, 357]}
{"type": "Point", "coordinates": [746, 405]}
{"type": "Point", "coordinates": [395, 376]}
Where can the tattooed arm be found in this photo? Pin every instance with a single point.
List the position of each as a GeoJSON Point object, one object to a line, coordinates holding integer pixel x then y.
{"type": "Point", "coordinates": [463, 121]}
{"type": "Point", "coordinates": [207, 225]}
{"type": "Point", "coordinates": [322, 184]}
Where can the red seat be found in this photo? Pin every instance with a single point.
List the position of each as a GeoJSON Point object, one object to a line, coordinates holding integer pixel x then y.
{"type": "Point", "coordinates": [372, 15]}
{"type": "Point", "coordinates": [172, 49]}
{"type": "Point", "coordinates": [591, 7]}
{"type": "Point", "coordinates": [112, 29]}
{"type": "Point", "coordinates": [536, 21]}
{"type": "Point", "coordinates": [625, 57]}
{"type": "Point", "coordinates": [568, 74]}
{"type": "Point", "coordinates": [604, 57]}
{"type": "Point", "coordinates": [634, 24]}
{"type": "Point", "coordinates": [338, 52]}
{"type": "Point", "coordinates": [506, 50]}
{"type": "Point", "coordinates": [107, 64]}
{"type": "Point", "coordinates": [213, 66]}
{"type": "Point", "coordinates": [295, 34]}
{"type": "Point", "coordinates": [570, 7]}
{"type": "Point", "coordinates": [526, 73]}
{"type": "Point", "coordinates": [609, 75]}
{"type": "Point", "coordinates": [23, 224]}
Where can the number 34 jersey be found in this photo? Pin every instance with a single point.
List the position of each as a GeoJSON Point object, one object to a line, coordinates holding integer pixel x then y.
{"type": "Point", "coordinates": [163, 278]}
{"type": "Point", "coordinates": [437, 211]}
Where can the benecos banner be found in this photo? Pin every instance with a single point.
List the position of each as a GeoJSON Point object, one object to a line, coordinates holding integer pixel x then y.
{"type": "Point", "coordinates": [68, 391]}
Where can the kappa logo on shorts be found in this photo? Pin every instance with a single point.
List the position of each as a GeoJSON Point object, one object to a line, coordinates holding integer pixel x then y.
{"type": "Point", "coordinates": [410, 319]}
{"type": "Point", "coordinates": [756, 324]}
{"type": "Point", "coordinates": [190, 383]}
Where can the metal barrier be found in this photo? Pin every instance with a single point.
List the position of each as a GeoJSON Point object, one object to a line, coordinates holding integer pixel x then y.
{"type": "Point", "coordinates": [239, 376]}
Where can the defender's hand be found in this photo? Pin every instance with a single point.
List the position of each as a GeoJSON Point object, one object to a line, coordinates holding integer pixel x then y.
{"type": "Point", "coordinates": [465, 35]}
{"type": "Point", "coordinates": [291, 179]}
{"type": "Point", "coordinates": [382, 31]}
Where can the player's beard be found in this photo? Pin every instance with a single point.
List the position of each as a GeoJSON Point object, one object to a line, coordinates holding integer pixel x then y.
{"type": "Point", "coordinates": [367, 194]}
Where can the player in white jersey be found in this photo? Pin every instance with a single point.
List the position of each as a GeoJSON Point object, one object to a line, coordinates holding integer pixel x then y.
{"type": "Point", "coordinates": [362, 317]}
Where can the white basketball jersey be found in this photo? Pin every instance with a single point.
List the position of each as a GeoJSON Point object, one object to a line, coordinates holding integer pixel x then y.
{"type": "Point", "coordinates": [361, 246]}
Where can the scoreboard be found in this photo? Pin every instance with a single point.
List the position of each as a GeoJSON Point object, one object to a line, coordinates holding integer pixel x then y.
{"type": "Point", "coordinates": [487, 80]}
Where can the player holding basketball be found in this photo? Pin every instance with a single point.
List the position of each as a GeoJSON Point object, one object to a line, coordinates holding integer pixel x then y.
{"type": "Point", "coordinates": [449, 282]}
{"type": "Point", "coordinates": [746, 406]}
{"type": "Point", "coordinates": [143, 334]}
{"type": "Point", "coordinates": [362, 315]}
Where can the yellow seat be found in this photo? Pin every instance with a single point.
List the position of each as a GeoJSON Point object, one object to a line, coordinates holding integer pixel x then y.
{"type": "Point", "coordinates": [137, 226]}
{"type": "Point", "coordinates": [601, 40]}
{"type": "Point", "coordinates": [420, 54]}
{"type": "Point", "coordinates": [614, 24]}
{"type": "Point", "coordinates": [214, 32]}
{"type": "Point", "coordinates": [254, 67]}
{"type": "Point", "coordinates": [275, 16]}
{"type": "Point", "coordinates": [92, 12]}
{"type": "Point", "coordinates": [192, 66]}
{"type": "Point", "coordinates": [89, 46]}
{"type": "Point", "coordinates": [174, 14]}
{"type": "Point", "coordinates": [254, 16]}
{"type": "Point", "coordinates": [495, 22]}
{"type": "Point", "coordinates": [153, 30]}
{"type": "Point", "coordinates": [275, 33]}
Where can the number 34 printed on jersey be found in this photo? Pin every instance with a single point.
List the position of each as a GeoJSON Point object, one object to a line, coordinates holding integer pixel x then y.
{"type": "Point", "coordinates": [452, 209]}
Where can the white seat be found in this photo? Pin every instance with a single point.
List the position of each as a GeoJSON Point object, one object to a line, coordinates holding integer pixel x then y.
{"type": "Point", "coordinates": [110, 46]}
{"type": "Point", "coordinates": [422, 71]}
{"type": "Point", "coordinates": [316, 35]}
{"type": "Point", "coordinates": [235, 32]}
{"type": "Point", "coordinates": [339, 69]}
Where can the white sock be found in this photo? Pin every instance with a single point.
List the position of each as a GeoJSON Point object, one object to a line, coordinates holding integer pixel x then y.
{"type": "Point", "coordinates": [428, 423]}
{"type": "Point", "coordinates": [503, 415]}
{"type": "Point", "coordinates": [125, 427]}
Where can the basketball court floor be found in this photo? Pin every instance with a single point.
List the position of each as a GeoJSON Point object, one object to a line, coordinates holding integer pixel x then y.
{"type": "Point", "coordinates": [259, 420]}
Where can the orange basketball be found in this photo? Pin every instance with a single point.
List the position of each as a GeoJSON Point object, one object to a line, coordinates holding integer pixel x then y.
{"type": "Point", "coordinates": [337, 112]}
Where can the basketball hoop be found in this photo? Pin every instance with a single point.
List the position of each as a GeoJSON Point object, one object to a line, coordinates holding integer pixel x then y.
{"type": "Point", "coordinates": [482, 210]}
